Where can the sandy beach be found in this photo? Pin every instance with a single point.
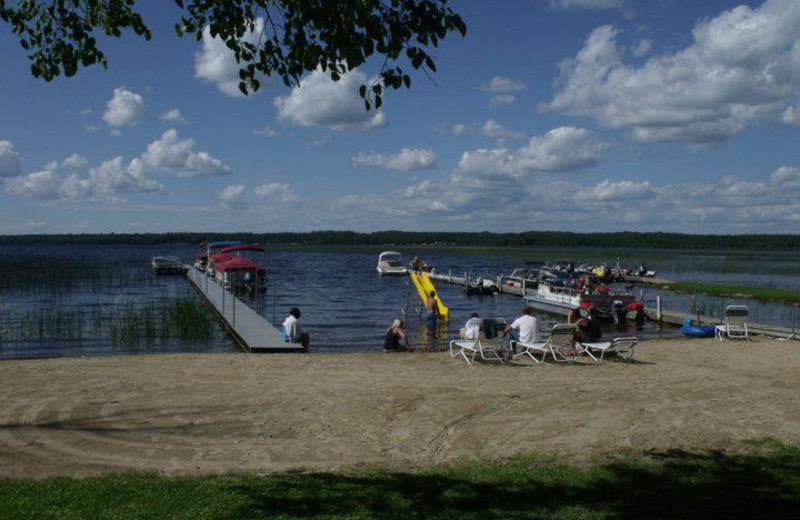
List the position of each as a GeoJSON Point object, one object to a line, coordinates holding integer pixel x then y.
{"type": "Point", "coordinates": [190, 414]}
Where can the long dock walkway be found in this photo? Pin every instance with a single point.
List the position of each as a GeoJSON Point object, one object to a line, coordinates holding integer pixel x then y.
{"type": "Point", "coordinates": [252, 331]}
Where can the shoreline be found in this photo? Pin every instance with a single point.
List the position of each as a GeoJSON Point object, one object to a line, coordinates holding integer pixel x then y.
{"type": "Point", "coordinates": [184, 414]}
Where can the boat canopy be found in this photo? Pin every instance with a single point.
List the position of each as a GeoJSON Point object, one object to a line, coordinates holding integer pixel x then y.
{"type": "Point", "coordinates": [244, 247]}
{"type": "Point", "coordinates": [237, 262]}
{"type": "Point", "coordinates": [389, 255]}
{"type": "Point", "coordinates": [221, 243]}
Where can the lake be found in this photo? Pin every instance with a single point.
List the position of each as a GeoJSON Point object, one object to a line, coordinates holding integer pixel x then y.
{"type": "Point", "coordinates": [88, 299]}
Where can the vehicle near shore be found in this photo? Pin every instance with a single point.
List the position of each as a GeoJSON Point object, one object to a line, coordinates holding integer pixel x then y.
{"type": "Point", "coordinates": [560, 299]}
{"type": "Point", "coordinates": [239, 267]}
{"type": "Point", "coordinates": [209, 248]}
{"type": "Point", "coordinates": [167, 265]}
{"type": "Point", "coordinates": [390, 263]}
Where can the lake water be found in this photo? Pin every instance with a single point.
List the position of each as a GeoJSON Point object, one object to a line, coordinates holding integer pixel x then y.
{"type": "Point", "coordinates": [346, 305]}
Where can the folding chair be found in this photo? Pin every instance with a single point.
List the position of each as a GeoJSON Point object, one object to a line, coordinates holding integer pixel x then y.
{"type": "Point", "coordinates": [735, 326]}
{"type": "Point", "coordinates": [622, 347]}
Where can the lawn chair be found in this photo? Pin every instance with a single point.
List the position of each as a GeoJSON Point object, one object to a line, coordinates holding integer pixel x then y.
{"type": "Point", "coordinates": [561, 334]}
{"type": "Point", "coordinates": [481, 347]}
{"type": "Point", "coordinates": [622, 347]}
{"type": "Point", "coordinates": [735, 326]}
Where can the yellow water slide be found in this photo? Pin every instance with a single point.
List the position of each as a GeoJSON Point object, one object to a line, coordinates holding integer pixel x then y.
{"type": "Point", "coordinates": [424, 287]}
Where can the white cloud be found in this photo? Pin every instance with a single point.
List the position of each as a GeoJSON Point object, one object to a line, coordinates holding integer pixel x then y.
{"type": "Point", "coordinates": [170, 155]}
{"type": "Point", "coordinates": [499, 84]}
{"type": "Point", "coordinates": [276, 191]}
{"type": "Point", "coordinates": [232, 195]}
{"type": "Point", "coordinates": [173, 115]}
{"type": "Point", "coordinates": [502, 99]}
{"type": "Point", "coordinates": [38, 185]}
{"type": "Point", "coordinates": [560, 149]}
{"type": "Point", "coordinates": [642, 47]}
{"type": "Point", "coordinates": [216, 63]}
{"type": "Point", "coordinates": [742, 67]}
{"type": "Point", "coordinates": [320, 101]}
{"type": "Point", "coordinates": [125, 108]}
{"type": "Point", "coordinates": [460, 129]}
{"type": "Point", "coordinates": [791, 115]}
{"type": "Point", "coordinates": [10, 160]}
{"type": "Point", "coordinates": [407, 159]}
{"type": "Point", "coordinates": [613, 191]}
{"type": "Point", "coordinates": [494, 130]}
{"type": "Point", "coordinates": [114, 176]}
{"type": "Point", "coordinates": [75, 162]}
{"type": "Point", "coordinates": [266, 131]}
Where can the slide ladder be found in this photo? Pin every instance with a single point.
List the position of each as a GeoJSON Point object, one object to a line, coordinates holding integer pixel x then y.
{"type": "Point", "coordinates": [424, 287]}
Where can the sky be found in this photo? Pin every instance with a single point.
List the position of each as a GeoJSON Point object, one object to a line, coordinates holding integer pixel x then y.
{"type": "Point", "coordinates": [572, 115]}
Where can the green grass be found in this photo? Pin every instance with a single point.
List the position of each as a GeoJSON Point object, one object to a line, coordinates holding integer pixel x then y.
{"type": "Point", "coordinates": [767, 294]}
{"type": "Point", "coordinates": [761, 482]}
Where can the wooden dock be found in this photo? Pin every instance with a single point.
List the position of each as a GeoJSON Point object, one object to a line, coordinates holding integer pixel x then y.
{"type": "Point", "coordinates": [252, 331]}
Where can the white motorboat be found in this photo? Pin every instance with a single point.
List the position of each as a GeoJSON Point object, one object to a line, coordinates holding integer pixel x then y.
{"type": "Point", "coordinates": [560, 300]}
{"type": "Point", "coordinates": [389, 263]}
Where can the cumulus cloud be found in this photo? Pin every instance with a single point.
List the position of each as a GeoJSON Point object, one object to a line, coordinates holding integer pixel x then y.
{"type": "Point", "coordinates": [502, 99]}
{"type": "Point", "coordinates": [216, 63]}
{"type": "Point", "coordinates": [742, 67]}
{"type": "Point", "coordinates": [75, 162]}
{"type": "Point", "coordinates": [266, 197]}
{"type": "Point", "coordinates": [791, 115]}
{"type": "Point", "coordinates": [613, 191]}
{"type": "Point", "coordinates": [173, 115]}
{"type": "Point", "coordinates": [499, 84]}
{"type": "Point", "coordinates": [125, 108]}
{"type": "Point", "coordinates": [642, 47]}
{"type": "Point", "coordinates": [494, 130]}
{"type": "Point", "coordinates": [170, 155]}
{"type": "Point", "coordinates": [407, 159]}
{"type": "Point", "coordinates": [114, 176]}
{"type": "Point", "coordinates": [42, 185]}
{"type": "Point", "coordinates": [320, 101]}
{"type": "Point", "coordinates": [10, 160]}
{"type": "Point", "coordinates": [559, 150]}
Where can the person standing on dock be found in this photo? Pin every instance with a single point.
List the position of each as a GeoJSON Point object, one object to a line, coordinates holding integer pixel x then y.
{"type": "Point", "coordinates": [433, 311]}
{"type": "Point", "coordinates": [292, 333]}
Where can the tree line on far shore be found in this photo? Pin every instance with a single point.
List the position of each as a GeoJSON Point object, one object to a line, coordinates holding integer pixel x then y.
{"type": "Point", "coordinates": [444, 239]}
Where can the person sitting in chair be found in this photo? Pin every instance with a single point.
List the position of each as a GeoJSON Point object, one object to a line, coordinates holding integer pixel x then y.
{"type": "Point", "coordinates": [524, 329]}
{"type": "Point", "coordinates": [472, 328]}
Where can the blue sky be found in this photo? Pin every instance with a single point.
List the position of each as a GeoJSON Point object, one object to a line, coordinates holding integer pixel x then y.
{"type": "Point", "coordinates": [590, 115]}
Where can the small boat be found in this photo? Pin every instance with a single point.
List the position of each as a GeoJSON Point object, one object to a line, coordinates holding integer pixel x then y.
{"type": "Point", "coordinates": [480, 286]}
{"type": "Point", "coordinates": [209, 248]}
{"type": "Point", "coordinates": [167, 265]}
{"type": "Point", "coordinates": [389, 263]}
{"type": "Point", "coordinates": [560, 299]}
{"type": "Point", "coordinates": [238, 267]}
{"type": "Point", "coordinates": [699, 331]}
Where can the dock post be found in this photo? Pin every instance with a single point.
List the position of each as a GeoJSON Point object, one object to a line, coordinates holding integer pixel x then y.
{"type": "Point", "coordinates": [658, 308]}
{"type": "Point", "coordinates": [233, 304]}
{"type": "Point", "coordinates": [223, 298]}
{"type": "Point", "coordinates": [450, 275]}
{"type": "Point", "coordinates": [523, 288]}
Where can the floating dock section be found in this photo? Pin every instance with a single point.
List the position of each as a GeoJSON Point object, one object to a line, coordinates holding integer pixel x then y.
{"type": "Point", "coordinates": [252, 331]}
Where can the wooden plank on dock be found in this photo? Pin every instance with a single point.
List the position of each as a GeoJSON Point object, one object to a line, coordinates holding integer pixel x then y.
{"type": "Point", "coordinates": [251, 330]}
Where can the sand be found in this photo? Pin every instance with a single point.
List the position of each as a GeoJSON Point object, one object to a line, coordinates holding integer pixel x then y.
{"type": "Point", "coordinates": [192, 414]}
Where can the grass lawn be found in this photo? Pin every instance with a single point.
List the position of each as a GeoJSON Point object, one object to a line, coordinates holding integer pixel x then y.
{"type": "Point", "coordinates": [769, 294]}
{"type": "Point", "coordinates": [762, 482]}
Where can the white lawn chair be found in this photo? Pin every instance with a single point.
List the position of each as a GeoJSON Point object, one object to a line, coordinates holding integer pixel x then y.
{"type": "Point", "coordinates": [735, 326]}
{"type": "Point", "coordinates": [622, 347]}
{"type": "Point", "coordinates": [470, 348]}
{"type": "Point", "coordinates": [559, 335]}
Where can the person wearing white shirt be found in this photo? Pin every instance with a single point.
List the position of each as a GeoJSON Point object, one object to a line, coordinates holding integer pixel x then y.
{"type": "Point", "coordinates": [472, 328]}
{"type": "Point", "coordinates": [524, 329]}
{"type": "Point", "coordinates": [292, 331]}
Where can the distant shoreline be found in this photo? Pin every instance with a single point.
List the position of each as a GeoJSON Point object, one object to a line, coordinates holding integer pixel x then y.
{"type": "Point", "coordinates": [527, 239]}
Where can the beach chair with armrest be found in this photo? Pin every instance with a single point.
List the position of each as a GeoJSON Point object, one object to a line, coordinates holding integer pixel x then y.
{"type": "Point", "coordinates": [622, 347]}
{"type": "Point", "coordinates": [735, 326]}
{"type": "Point", "coordinates": [468, 349]}
{"type": "Point", "coordinates": [560, 334]}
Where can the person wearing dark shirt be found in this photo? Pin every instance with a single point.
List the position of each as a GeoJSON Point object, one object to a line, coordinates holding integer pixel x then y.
{"type": "Point", "coordinates": [396, 340]}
